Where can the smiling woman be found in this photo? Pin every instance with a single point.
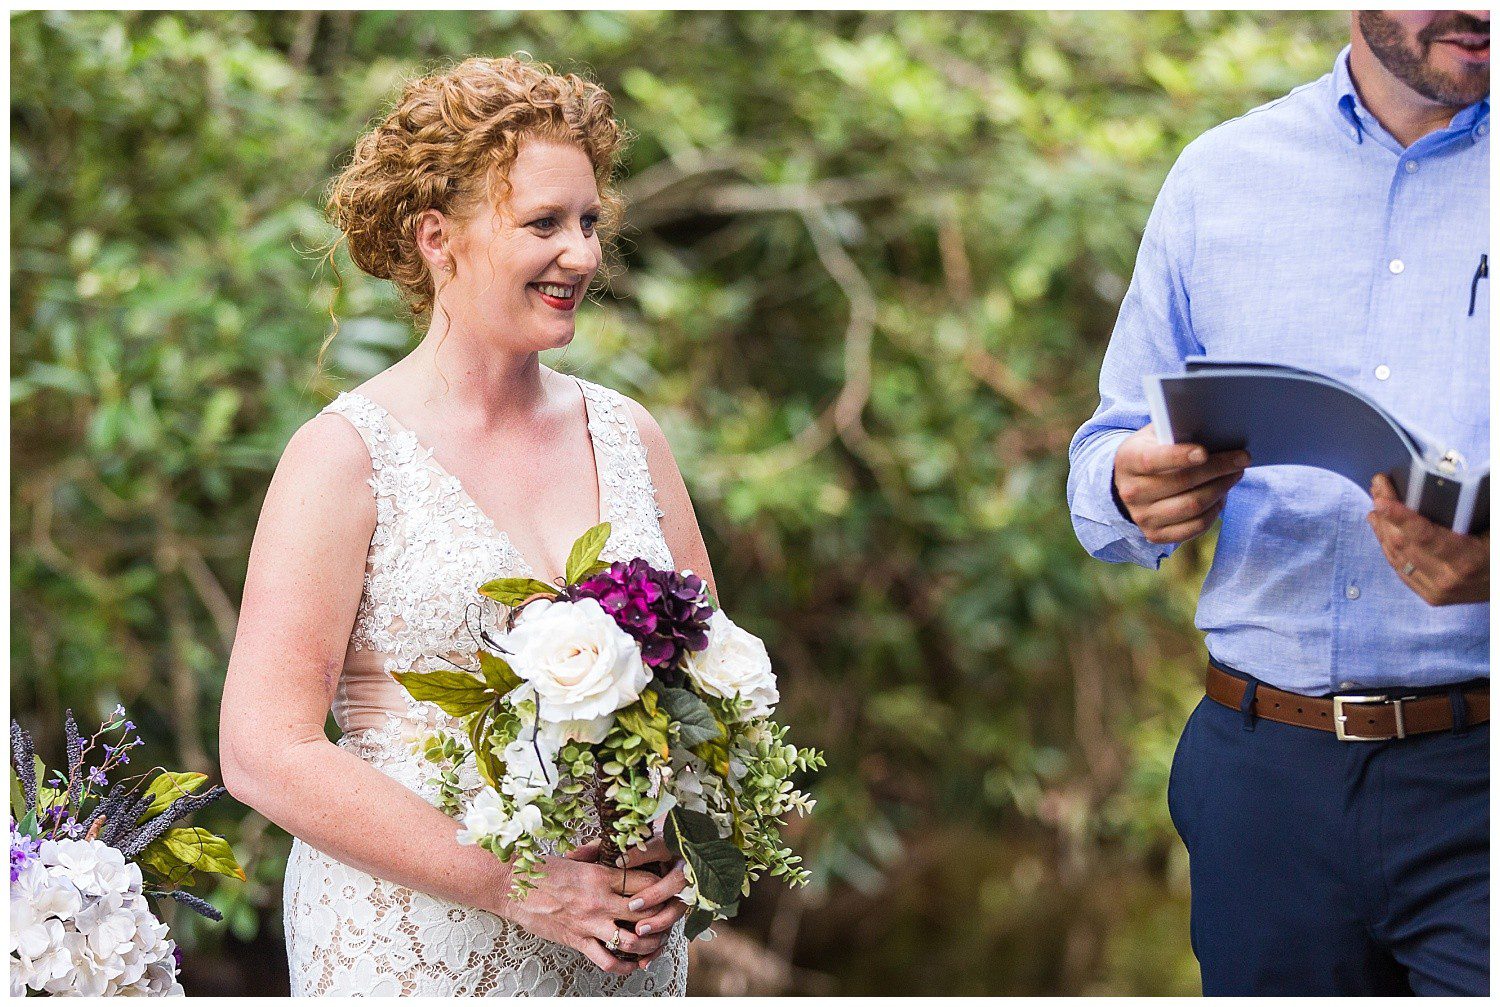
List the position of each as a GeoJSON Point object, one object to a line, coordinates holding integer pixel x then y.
{"type": "Point", "coordinates": [485, 197]}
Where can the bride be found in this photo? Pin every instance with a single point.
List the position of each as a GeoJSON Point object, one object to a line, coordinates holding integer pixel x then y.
{"type": "Point", "coordinates": [483, 197]}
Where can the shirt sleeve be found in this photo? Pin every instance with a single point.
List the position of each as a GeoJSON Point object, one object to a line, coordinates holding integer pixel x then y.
{"type": "Point", "coordinates": [1152, 335]}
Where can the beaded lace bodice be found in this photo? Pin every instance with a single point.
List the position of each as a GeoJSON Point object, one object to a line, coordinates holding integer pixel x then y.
{"type": "Point", "coordinates": [349, 932]}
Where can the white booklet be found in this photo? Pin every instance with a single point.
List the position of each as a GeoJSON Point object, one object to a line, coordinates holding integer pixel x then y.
{"type": "Point", "coordinates": [1288, 416]}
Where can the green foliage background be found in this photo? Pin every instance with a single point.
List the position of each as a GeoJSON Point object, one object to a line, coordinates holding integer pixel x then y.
{"type": "Point", "coordinates": [873, 264]}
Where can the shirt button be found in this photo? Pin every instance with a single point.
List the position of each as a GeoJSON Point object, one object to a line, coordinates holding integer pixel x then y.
{"type": "Point", "coordinates": [1351, 592]}
{"type": "Point", "coordinates": [1347, 685]}
{"type": "Point", "coordinates": [1382, 372]}
{"type": "Point", "coordinates": [1411, 166]}
{"type": "Point", "coordinates": [1397, 266]}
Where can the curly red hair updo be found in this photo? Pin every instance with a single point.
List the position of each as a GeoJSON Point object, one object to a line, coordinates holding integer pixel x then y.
{"type": "Point", "coordinates": [449, 144]}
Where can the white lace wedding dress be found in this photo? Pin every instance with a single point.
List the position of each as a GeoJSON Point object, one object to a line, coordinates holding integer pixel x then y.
{"type": "Point", "coordinates": [349, 933]}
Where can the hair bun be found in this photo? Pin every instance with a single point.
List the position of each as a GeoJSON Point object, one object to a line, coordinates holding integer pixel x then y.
{"type": "Point", "coordinates": [448, 144]}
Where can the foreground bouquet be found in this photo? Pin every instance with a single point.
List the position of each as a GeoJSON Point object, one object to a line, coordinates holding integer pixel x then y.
{"type": "Point", "coordinates": [623, 696]}
{"type": "Point", "coordinates": [81, 852]}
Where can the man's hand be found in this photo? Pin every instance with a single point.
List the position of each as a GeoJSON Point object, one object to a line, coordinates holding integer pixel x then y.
{"type": "Point", "coordinates": [1173, 491]}
{"type": "Point", "coordinates": [1442, 566]}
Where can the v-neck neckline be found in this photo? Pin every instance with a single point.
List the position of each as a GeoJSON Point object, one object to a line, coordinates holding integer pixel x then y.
{"type": "Point", "coordinates": [468, 498]}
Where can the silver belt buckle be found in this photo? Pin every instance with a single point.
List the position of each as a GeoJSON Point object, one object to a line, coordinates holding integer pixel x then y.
{"type": "Point", "coordinates": [1340, 718]}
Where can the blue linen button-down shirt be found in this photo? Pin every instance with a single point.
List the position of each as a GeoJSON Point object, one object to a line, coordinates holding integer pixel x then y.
{"type": "Point", "coordinates": [1303, 233]}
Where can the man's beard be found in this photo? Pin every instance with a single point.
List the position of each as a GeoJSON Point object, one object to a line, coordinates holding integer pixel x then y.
{"type": "Point", "coordinates": [1409, 64]}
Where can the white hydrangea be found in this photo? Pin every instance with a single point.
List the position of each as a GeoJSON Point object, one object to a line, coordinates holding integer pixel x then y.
{"type": "Point", "coordinates": [80, 926]}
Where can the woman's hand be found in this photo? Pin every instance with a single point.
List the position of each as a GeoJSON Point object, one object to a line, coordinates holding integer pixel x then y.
{"type": "Point", "coordinates": [577, 903]}
{"type": "Point", "coordinates": [657, 907]}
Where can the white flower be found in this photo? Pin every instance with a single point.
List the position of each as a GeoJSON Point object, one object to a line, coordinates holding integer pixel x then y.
{"type": "Point", "coordinates": [735, 665]}
{"type": "Point", "coordinates": [160, 979]}
{"type": "Point", "coordinates": [664, 804]}
{"type": "Point", "coordinates": [687, 786]}
{"type": "Point", "coordinates": [527, 821]}
{"type": "Point", "coordinates": [530, 767]}
{"type": "Point", "coordinates": [484, 817]}
{"type": "Point", "coordinates": [581, 664]}
{"type": "Point", "coordinates": [110, 931]}
{"type": "Point", "coordinates": [94, 867]}
{"type": "Point", "coordinates": [590, 732]}
{"type": "Point", "coordinates": [81, 927]}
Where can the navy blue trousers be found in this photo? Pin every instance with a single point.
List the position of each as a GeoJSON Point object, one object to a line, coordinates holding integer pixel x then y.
{"type": "Point", "coordinates": [1326, 867]}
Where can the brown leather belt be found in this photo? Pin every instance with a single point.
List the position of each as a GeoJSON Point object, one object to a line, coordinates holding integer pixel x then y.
{"type": "Point", "coordinates": [1351, 718]}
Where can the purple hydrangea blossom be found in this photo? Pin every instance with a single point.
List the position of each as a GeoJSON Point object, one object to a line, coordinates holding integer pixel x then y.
{"type": "Point", "coordinates": [23, 850]}
{"type": "Point", "coordinates": [665, 611]}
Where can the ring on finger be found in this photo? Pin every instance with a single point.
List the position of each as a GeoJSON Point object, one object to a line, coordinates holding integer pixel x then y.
{"type": "Point", "coordinates": [1407, 569]}
{"type": "Point", "coordinates": [614, 942]}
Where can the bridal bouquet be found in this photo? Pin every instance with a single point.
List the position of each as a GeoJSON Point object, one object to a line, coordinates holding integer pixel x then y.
{"type": "Point", "coordinates": [623, 695]}
{"type": "Point", "coordinates": [80, 924]}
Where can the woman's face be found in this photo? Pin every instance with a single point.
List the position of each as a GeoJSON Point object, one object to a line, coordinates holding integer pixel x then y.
{"type": "Point", "coordinates": [519, 271]}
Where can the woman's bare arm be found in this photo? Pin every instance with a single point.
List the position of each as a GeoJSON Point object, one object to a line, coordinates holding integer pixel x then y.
{"type": "Point", "coordinates": [302, 589]}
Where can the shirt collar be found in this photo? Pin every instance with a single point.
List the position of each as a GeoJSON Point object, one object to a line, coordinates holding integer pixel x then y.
{"type": "Point", "coordinates": [1473, 120]}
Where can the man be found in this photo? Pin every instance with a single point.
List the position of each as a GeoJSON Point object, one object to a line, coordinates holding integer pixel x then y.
{"type": "Point", "coordinates": [1343, 229]}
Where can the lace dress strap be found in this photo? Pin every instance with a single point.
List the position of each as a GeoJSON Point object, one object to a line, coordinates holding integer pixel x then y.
{"type": "Point", "coordinates": [630, 504]}
{"type": "Point", "coordinates": [371, 421]}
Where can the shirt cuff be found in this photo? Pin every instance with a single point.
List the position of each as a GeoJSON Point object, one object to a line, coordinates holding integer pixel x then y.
{"type": "Point", "coordinates": [1099, 518]}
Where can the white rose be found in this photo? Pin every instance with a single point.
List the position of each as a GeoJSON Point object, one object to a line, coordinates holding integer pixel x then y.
{"type": "Point", "coordinates": [735, 665]}
{"type": "Point", "coordinates": [580, 663]}
{"type": "Point", "coordinates": [590, 732]}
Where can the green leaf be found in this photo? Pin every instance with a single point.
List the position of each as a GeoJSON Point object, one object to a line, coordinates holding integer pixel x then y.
{"type": "Point", "coordinates": [583, 559]}
{"type": "Point", "coordinates": [716, 754]}
{"type": "Point", "coordinates": [698, 920]}
{"type": "Point", "coordinates": [18, 807]}
{"type": "Point", "coordinates": [169, 786]}
{"type": "Point", "coordinates": [497, 673]}
{"type": "Point", "coordinates": [695, 721]}
{"type": "Point", "coordinates": [512, 591]}
{"type": "Point", "coordinates": [489, 767]}
{"type": "Point", "coordinates": [650, 724]}
{"type": "Point", "coordinates": [714, 865]}
{"type": "Point", "coordinates": [182, 852]}
{"type": "Point", "coordinates": [457, 692]}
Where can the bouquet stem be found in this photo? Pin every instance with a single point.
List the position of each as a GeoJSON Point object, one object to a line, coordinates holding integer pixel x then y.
{"type": "Point", "coordinates": [607, 818]}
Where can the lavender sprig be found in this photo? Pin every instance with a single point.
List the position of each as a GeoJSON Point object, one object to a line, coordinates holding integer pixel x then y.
{"type": "Point", "coordinates": [23, 757]}
{"type": "Point", "coordinates": [75, 760]}
{"type": "Point", "coordinates": [121, 825]}
{"type": "Point", "coordinates": [193, 902]}
{"type": "Point", "coordinates": [135, 843]}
